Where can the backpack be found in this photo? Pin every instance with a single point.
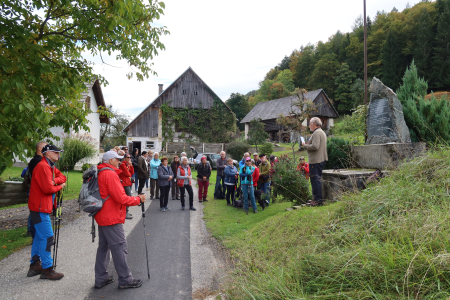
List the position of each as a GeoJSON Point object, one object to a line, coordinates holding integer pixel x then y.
{"type": "Point", "coordinates": [89, 199]}
{"type": "Point", "coordinates": [220, 193]}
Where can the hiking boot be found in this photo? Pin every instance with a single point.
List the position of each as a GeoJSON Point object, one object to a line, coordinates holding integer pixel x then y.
{"type": "Point", "coordinates": [51, 274]}
{"type": "Point", "coordinates": [162, 209]}
{"type": "Point", "coordinates": [228, 204]}
{"type": "Point", "coordinates": [182, 208]}
{"type": "Point", "coordinates": [167, 208]}
{"type": "Point", "coordinates": [204, 199]}
{"type": "Point", "coordinates": [35, 269]}
{"type": "Point", "coordinates": [128, 216]}
{"type": "Point", "coordinates": [151, 198]}
{"type": "Point", "coordinates": [108, 280]}
{"type": "Point", "coordinates": [246, 211]}
{"type": "Point", "coordinates": [134, 284]}
{"type": "Point", "coordinates": [192, 208]}
{"type": "Point", "coordinates": [201, 201]}
{"type": "Point", "coordinates": [157, 197]}
{"type": "Point", "coordinates": [255, 211]}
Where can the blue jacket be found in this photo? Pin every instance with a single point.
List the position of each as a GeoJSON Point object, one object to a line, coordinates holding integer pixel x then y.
{"type": "Point", "coordinates": [246, 177]}
{"type": "Point", "coordinates": [163, 175]}
{"type": "Point", "coordinates": [241, 163]}
{"type": "Point", "coordinates": [154, 164]}
{"type": "Point", "coordinates": [230, 172]}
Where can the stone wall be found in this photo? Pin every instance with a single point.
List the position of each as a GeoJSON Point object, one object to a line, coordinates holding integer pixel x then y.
{"type": "Point", "coordinates": [12, 193]}
{"type": "Point", "coordinates": [336, 183]}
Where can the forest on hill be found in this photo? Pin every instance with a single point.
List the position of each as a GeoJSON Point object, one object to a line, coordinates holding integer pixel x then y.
{"type": "Point", "coordinates": [394, 39]}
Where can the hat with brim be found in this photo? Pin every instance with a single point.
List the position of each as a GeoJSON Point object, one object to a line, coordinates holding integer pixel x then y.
{"type": "Point", "coordinates": [51, 148]}
{"type": "Point", "coordinates": [255, 154]}
{"type": "Point", "coordinates": [110, 155]}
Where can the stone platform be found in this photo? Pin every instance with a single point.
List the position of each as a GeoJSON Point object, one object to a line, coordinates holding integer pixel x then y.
{"type": "Point", "coordinates": [335, 183]}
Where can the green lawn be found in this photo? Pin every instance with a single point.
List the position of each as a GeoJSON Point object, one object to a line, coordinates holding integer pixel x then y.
{"type": "Point", "coordinates": [13, 240]}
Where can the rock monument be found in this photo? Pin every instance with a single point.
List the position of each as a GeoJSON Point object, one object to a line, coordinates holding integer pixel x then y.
{"type": "Point", "coordinates": [385, 120]}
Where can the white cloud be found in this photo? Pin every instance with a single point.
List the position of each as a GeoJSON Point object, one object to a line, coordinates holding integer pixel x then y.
{"type": "Point", "coordinates": [231, 45]}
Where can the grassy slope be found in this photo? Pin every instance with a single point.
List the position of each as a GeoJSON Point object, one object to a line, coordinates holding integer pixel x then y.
{"type": "Point", "coordinates": [13, 240]}
{"type": "Point", "coordinates": [388, 242]}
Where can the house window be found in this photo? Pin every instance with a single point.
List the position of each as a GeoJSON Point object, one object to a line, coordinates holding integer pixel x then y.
{"type": "Point", "coordinates": [184, 92]}
{"type": "Point", "coordinates": [87, 103]}
{"type": "Point", "coordinates": [150, 145]}
{"type": "Point", "coordinates": [195, 92]}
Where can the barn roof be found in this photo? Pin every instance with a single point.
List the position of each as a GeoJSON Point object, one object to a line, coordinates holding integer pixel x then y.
{"type": "Point", "coordinates": [168, 88]}
{"type": "Point", "coordinates": [274, 108]}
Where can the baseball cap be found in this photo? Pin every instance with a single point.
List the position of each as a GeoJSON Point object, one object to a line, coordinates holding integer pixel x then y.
{"type": "Point", "coordinates": [248, 158]}
{"type": "Point", "coordinates": [272, 157]}
{"type": "Point", "coordinates": [110, 155]}
{"type": "Point", "coordinates": [51, 148]}
{"type": "Point", "coordinates": [255, 154]}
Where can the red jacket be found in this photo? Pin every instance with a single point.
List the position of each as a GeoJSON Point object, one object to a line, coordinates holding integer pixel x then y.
{"type": "Point", "coordinates": [255, 177]}
{"type": "Point", "coordinates": [127, 172]}
{"type": "Point", "coordinates": [42, 187]}
{"type": "Point", "coordinates": [114, 208]}
{"type": "Point", "coordinates": [306, 169]}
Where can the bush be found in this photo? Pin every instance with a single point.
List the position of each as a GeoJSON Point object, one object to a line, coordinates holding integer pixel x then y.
{"type": "Point", "coordinates": [85, 166]}
{"type": "Point", "coordinates": [288, 182]}
{"type": "Point", "coordinates": [76, 147]}
{"type": "Point", "coordinates": [266, 148]}
{"type": "Point", "coordinates": [237, 149]}
{"type": "Point", "coordinates": [354, 126]}
{"type": "Point", "coordinates": [339, 154]}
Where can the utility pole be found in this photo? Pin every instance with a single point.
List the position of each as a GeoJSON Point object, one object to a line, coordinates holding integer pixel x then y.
{"type": "Point", "coordinates": [365, 67]}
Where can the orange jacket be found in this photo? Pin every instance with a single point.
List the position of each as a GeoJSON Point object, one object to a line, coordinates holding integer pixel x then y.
{"type": "Point", "coordinates": [42, 188]}
{"type": "Point", "coordinates": [127, 172]}
{"type": "Point", "coordinates": [255, 177]}
{"type": "Point", "coordinates": [114, 208]}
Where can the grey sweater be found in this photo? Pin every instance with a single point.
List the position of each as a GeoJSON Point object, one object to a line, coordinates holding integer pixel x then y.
{"type": "Point", "coordinates": [221, 164]}
{"type": "Point", "coordinates": [186, 172]}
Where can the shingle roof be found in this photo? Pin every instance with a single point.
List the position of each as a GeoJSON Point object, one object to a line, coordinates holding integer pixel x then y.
{"type": "Point", "coordinates": [274, 108]}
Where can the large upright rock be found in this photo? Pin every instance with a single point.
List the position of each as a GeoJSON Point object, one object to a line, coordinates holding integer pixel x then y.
{"type": "Point", "coordinates": [385, 120]}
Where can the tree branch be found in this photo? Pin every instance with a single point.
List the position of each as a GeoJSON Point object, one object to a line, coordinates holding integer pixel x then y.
{"type": "Point", "coordinates": [41, 30]}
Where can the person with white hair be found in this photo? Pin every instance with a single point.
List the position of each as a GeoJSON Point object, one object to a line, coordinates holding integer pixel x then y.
{"type": "Point", "coordinates": [154, 165]}
{"type": "Point", "coordinates": [184, 176]}
{"type": "Point", "coordinates": [316, 147]}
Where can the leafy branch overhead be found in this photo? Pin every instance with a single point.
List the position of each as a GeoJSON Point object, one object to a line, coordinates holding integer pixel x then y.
{"type": "Point", "coordinates": [44, 47]}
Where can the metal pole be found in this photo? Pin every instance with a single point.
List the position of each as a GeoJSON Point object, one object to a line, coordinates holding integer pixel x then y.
{"type": "Point", "coordinates": [365, 54]}
{"type": "Point", "coordinates": [145, 239]}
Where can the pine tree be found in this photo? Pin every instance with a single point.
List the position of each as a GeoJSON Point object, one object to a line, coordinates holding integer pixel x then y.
{"type": "Point", "coordinates": [424, 44]}
{"type": "Point", "coordinates": [392, 61]}
{"type": "Point", "coordinates": [441, 63]}
{"type": "Point", "coordinates": [344, 82]}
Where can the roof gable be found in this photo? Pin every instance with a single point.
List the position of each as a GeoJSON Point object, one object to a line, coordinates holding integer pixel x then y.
{"type": "Point", "coordinates": [274, 108]}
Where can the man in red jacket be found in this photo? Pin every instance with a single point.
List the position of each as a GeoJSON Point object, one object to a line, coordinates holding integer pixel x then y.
{"type": "Point", "coordinates": [110, 220]}
{"type": "Point", "coordinates": [46, 181]}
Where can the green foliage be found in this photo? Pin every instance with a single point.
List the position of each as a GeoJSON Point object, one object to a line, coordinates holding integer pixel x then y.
{"type": "Point", "coordinates": [239, 105]}
{"type": "Point", "coordinates": [357, 92]}
{"type": "Point", "coordinates": [85, 167]}
{"type": "Point", "coordinates": [215, 125]}
{"type": "Point", "coordinates": [339, 154]}
{"type": "Point", "coordinates": [112, 134]}
{"type": "Point", "coordinates": [266, 148]}
{"type": "Point", "coordinates": [427, 120]}
{"type": "Point", "coordinates": [2, 167]}
{"type": "Point", "coordinates": [285, 77]}
{"type": "Point", "coordinates": [393, 61]}
{"type": "Point", "coordinates": [13, 240]}
{"type": "Point", "coordinates": [441, 61]}
{"type": "Point", "coordinates": [324, 74]}
{"type": "Point", "coordinates": [354, 126]}
{"type": "Point", "coordinates": [344, 82]}
{"type": "Point", "coordinates": [76, 147]}
{"type": "Point", "coordinates": [44, 56]}
{"type": "Point", "coordinates": [288, 182]}
{"type": "Point", "coordinates": [237, 149]}
{"type": "Point", "coordinates": [256, 133]}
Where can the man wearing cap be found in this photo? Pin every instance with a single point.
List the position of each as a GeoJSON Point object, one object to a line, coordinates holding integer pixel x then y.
{"type": "Point", "coordinates": [110, 220]}
{"type": "Point", "coordinates": [256, 159]}
{"type": "Point", "coordinates": [316, 148]}
{"type": "Point", "coordinates": [221, 163]}
{"type": "Point", "coordinates": [47, 180]}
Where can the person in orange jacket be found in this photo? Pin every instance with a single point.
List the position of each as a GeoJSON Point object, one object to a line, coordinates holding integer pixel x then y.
{"type": "Point", "coordinates": [303, 167]}
{"type": "Point", "coordinates": [46, 181]}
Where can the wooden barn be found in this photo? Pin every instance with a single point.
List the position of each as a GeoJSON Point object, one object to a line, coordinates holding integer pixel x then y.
{"type": "Point", "coordinates": [269, 111]}
{"type": "Point", "coordinates": [187, 91]}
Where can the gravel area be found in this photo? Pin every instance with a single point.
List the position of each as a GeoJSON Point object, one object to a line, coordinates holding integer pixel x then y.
{"type": "Point", "coordinates": [12, 218]}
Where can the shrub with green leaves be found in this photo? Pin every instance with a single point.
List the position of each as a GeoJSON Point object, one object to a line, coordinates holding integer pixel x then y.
{"type": "Point", "coordinates": [339, 153]}
{"type": "Point", "coordinates": [237, 149]}
{"type": "Point", "coordinates": [266, 148]}
{"type": "Point", "coordinates": [288, 182]}
{"type": "Point", "coordinates": [85, 166]}
{"type": "Point", "coordinates": [76, 147]}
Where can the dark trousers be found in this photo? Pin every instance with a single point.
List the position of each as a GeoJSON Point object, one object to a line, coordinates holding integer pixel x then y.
{"type": "Point", "coordinates": [175, 188]}
{"type": "Point", "coordinates": [111, 239]}
{"type": "Point", "coordinates": [141, 184]}
{"type": "Point", "coordinates": [164, 197]}
{"type": "Point", "coordinates": [315, 171]}
{"type": "Point", "coordinates": [230, 193]}
{"type": "Point", "coordinates": [154, 186]}
{"type": "Point", "coordinates": [187, 188]}
{"type": "Point", "coordinates": [220, 180]}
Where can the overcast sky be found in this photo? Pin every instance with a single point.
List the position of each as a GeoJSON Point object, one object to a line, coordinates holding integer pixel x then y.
{"type": "Point", "coordinates": [232, 44]}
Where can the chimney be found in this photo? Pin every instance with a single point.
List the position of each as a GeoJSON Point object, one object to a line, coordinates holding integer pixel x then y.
{"type": "Point", "coordinates": [160, 88]}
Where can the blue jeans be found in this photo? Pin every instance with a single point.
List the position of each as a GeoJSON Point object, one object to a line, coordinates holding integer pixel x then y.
{"type": "Point", "coordinates": [146, 182]}
{"type": "Point", "coordinates": [247, 190]}
{"type": "Point", "coordinates": [266, 190]}
{"type": "Point", "coordinates": [219, 179]}
{"type": "Point", "coordinates": [43, 239]}
{"type": "Point", "coordinates": [136, 183]}
{"type": "Point", "coordinates": [315, 172]}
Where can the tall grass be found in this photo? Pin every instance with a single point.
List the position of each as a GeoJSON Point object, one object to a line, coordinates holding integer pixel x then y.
{"type": "Point", "coordinates": [76, 147]}
{"type": "Point", "coordinates": [390, 241]}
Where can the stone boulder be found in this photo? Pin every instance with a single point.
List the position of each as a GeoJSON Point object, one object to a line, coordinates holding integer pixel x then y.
{"type": "Point", "coordinates": [385, 120]}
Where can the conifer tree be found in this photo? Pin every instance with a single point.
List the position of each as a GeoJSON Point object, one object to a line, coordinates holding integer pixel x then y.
{"type": "Point", "coordinates": [344, 82]}
{"type": "Point", "coordinates": [424, 45]}
{"type": "Point", "coordinates": [441, 63]}
{"type": "Point", "coordinates": [392, 61]}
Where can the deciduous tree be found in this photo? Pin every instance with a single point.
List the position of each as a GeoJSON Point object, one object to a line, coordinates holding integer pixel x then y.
{"type": "Point", "coordinates": [256, 133]}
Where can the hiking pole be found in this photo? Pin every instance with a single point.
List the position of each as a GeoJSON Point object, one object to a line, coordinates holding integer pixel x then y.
{"type": "Point", "coordinates": [57, 226]}
{"type": "Point", "coordinates": [145, 237]}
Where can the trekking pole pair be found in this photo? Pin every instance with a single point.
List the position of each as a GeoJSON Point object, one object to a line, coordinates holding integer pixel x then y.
{"type": "Point", "coordinates": [57, 224]}
{"type": "Point", "coordinates": [145, 237]}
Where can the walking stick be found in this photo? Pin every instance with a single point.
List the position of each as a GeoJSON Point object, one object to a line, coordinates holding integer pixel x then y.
{"type": "Point", "coordinates": [145, 238]}
{"type": "Point", "coordinates": [58, 213]}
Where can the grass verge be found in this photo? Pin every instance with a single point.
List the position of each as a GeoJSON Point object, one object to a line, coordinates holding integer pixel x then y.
{"type": "Point", "coordinates": [389, 241]}
{"type": "Point", "coordinates": [13, 240]}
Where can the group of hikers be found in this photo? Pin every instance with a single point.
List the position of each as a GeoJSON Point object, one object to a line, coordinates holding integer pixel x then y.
{"type": "Point", "coordinates": [116, 174]}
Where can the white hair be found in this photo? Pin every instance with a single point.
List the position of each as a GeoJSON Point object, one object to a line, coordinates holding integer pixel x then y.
{"type": "Point", "coordinates": [155, 153]}
{"type": "Point", "coordinates": [222, 152]}
{"type": "Point", "coordinates": [316, 121]}
{"type": "Point", "coordinates": [183, 154]}
{"type": "Point", "coordinates": [183, 158]}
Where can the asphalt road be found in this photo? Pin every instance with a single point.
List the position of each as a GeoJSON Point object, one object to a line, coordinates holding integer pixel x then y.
{"type": "Point", "coordinates": [169, 256]}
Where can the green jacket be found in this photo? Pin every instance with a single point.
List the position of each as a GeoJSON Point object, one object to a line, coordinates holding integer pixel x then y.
{"type": "Point", "coordinates": [264, 172]}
